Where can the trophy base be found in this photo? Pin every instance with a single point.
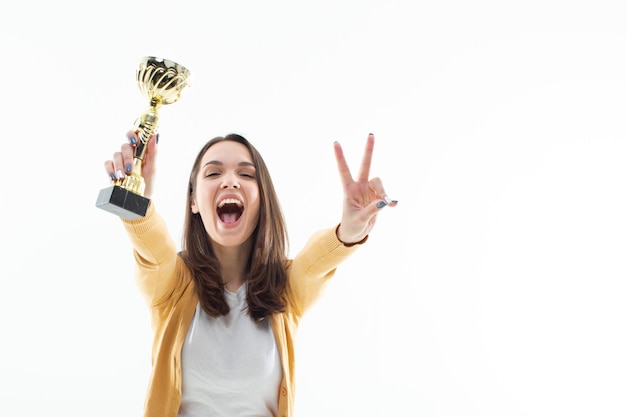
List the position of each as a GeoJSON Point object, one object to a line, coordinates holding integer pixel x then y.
{"type": "Point", "coordinates": [122, 202]}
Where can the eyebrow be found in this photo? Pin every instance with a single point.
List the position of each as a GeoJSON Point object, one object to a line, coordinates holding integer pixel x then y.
{"type": "Point", "coordinates": [220, 163]}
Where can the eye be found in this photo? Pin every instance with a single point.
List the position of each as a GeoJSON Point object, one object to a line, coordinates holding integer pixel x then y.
{"type": "Point", "coordinates": [211, 174]}
{"type": "Point", "coordinates": [248, 174]}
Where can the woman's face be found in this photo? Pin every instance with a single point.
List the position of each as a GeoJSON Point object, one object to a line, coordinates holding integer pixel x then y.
{"type": "Point", "coordinates": [227, 193]}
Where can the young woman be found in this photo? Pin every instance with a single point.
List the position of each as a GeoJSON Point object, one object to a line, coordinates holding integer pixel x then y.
{"type": "Point", "coordinates": [225, 308]}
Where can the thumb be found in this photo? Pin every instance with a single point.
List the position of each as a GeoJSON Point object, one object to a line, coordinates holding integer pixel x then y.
{"type": "Point", "coordinates": [152, 150]}
{"type": "Point", "coordinates": [148, 165]}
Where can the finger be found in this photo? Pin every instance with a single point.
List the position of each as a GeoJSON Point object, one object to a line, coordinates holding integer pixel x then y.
{"type": "Point", "coordinates": [123, 161]}
{"type": "Point", "coordinates": [364, 171]}
{"type": "Point", "coordinates": [342, 166]}
{"type": "Point", "coordinates": [128, 155]}
{"type": "Point", "coordinates": [118, 163]}
{"type": "Point", "coordinates": [376, 185]}
{"type": "Point", "coordinates": [110, 170]}
{"type": "Point", "coordinates": [371, 210]}
{"type": "Point", "coordinates": [133, 139]}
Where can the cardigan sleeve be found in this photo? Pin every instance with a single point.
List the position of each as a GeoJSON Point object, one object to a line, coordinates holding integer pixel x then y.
{"type": "Point", "coordinates": [155, 256]}
{"type": "Point", "coordinates": [313, 266]}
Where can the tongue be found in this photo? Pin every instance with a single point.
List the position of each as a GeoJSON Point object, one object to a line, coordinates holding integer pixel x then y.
{"type": "Point", "coordinates": [229, 218]}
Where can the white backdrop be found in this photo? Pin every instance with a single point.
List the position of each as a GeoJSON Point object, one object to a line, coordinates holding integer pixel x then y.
{"type": "Point", "coordinates": [495, 288]}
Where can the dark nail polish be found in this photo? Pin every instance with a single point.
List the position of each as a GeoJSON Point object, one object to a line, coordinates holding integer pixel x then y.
{"type": "Point", "coordinates": [157, 138]}
{"type": "Point", "coordinates": [112, 175]}
{"type": "Point", "coordinates": [132, 140]}
{"type": "Point", "coordinates": [129, 167]}
{"type": "Point", "coordinates": [381, 204]}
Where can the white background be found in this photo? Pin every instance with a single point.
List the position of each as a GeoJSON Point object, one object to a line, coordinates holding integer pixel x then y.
{"type": "Point", "coordinates": [495, 288]}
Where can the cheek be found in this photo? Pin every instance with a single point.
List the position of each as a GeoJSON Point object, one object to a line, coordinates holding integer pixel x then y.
{"type": "Point", "coordinates": [255, 202]}
{"type": "Point", "coordinates": [203, 198]}
{"type": "Point", "coordinates": [254, 196]}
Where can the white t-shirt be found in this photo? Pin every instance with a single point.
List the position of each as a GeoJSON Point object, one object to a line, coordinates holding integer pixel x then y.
{"type": "Point", "coordinates": [230, 364]}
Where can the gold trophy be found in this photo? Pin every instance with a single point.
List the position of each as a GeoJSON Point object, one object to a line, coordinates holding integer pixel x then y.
{"type": "Point", "coordinates": [161, 82]}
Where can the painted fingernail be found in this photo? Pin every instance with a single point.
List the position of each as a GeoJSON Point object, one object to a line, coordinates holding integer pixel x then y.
{"type": "Point", "coordinates": [157, 138]}
{"type": "Point", "coordinates": [112, 175]}
{"type": "Point", "coordinates": [371, 134]}
{"type": "Point", "coordinates": [381, 204]}
{"type": "Point", "coordinates": [120, 174]}
{"type": "Point", "coordinates": [129, 167]}
{"type": "Point", "coordinates": [387, 199]}
{"type": "Point", "coordinates": [132, 140]}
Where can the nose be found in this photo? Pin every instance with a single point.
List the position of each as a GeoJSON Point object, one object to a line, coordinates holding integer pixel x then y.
{"type": "Point", "coordinates": [230, 181]}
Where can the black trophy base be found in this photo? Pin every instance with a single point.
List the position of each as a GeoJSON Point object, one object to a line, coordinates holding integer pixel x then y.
{"type": "Point", "coordinates": [124, 203]}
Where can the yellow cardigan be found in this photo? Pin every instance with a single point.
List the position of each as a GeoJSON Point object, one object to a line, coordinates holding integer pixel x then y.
{"type": "Point", "coordinates": [166, 283]}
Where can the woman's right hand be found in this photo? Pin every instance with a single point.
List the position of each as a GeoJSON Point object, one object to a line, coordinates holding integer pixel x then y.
{"type": "Point", "coordinates": [122, 162]}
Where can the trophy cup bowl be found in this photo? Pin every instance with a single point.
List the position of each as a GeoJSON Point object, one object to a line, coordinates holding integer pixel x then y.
{"type": "Point", "coordinates": [161, 81]}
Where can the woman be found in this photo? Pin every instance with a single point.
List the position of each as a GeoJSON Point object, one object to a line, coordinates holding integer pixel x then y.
{"type": "Point", "coordinates": [225, 308]}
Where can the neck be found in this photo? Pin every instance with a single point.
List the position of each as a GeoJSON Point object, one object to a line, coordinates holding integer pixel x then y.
{"type": "Point", "coordinates": [233, 262]}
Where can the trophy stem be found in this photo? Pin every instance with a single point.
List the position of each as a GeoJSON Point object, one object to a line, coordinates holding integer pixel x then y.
{"type": "Point", "coordinates": [146, 126]}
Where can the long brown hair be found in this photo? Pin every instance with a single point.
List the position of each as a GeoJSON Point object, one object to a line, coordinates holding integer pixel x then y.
{"type": "Point", "coordinates": [266, 273]}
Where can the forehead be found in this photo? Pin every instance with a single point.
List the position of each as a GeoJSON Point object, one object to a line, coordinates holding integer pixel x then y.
{"type": "Point", "coordinates": [227, 152]}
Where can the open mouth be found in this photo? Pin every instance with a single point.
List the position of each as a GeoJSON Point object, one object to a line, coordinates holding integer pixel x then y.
{"type": "Point", "coordinates": [229, 210]}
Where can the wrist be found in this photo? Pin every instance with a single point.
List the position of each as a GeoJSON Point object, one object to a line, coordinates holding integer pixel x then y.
{"type": "Point", "coordinates": [350, 242]}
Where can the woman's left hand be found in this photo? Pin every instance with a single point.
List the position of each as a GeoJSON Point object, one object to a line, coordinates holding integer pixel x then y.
{"type": "Point", "coordinates": [363, 197]}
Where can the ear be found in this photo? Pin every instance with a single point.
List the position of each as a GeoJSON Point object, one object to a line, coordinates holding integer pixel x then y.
{"type": "Point", "coordinates": [194, 207]}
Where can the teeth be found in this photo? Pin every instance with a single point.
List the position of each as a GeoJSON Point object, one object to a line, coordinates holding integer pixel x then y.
{"type": "Point", "coordinates": [229, 201]}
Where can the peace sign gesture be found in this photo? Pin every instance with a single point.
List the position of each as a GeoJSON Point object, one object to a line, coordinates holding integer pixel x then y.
{"type": "Point", "coordinates": [363, 197]}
